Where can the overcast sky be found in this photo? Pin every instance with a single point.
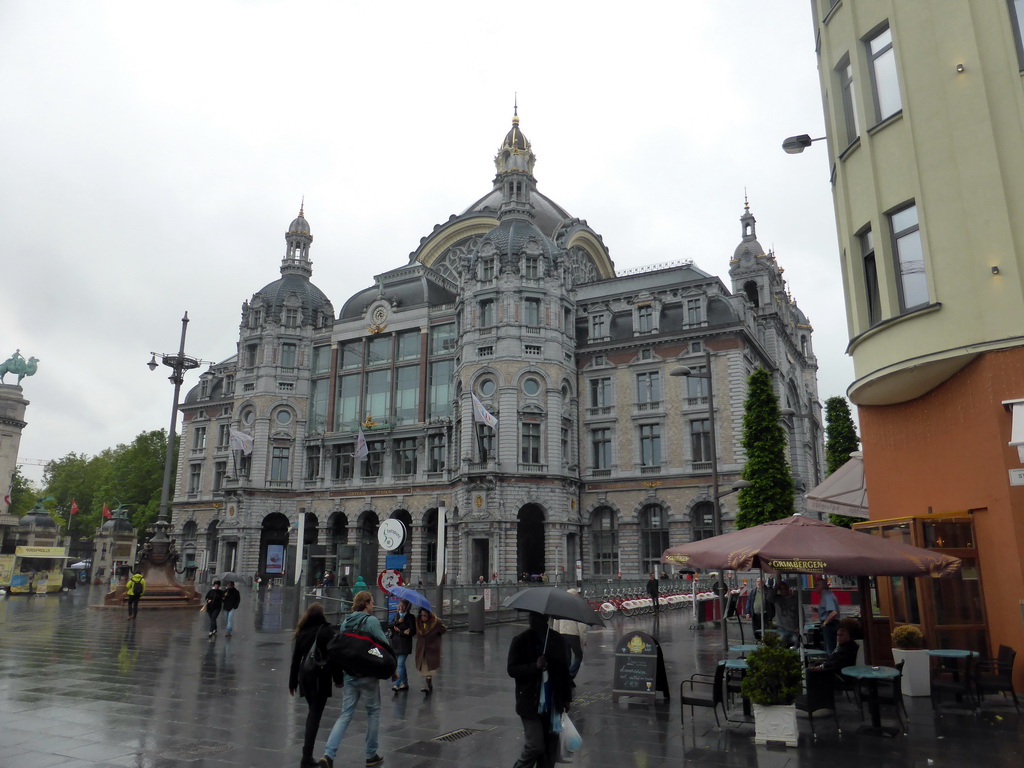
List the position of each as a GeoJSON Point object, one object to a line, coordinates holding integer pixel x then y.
{"type": "Point", "coordinates": [153, 154]}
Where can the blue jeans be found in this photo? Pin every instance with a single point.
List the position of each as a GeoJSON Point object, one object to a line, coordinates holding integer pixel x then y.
{"type": "Point", "coordinates": [403, 677]}
{"type": "Point", "coordinates": [230, 619]}
{"type": "Point", "coordinates": [356, 688]}
{"type": "Point", "coordinates": [828, 634]}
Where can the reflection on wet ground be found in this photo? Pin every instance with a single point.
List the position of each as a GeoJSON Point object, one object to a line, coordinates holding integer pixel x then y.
{"type": "Point", "coordinates": [83, 687]}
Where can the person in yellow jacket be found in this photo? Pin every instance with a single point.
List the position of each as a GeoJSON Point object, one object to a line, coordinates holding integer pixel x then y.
{"type": "Point", "coordinates": [136, 588]}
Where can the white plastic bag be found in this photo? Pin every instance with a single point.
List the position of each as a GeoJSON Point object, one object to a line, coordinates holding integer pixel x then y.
{"type": "Point", "coordinates": [569, 740]}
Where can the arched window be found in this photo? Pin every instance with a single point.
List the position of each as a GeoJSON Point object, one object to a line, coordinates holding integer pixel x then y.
{"type": "Point", "coordinates": [604, 537]}
{"type": "Point", "coordinates": [750, 288]}
{"type": "Point", "coordinates": [189, 531]}
{"type": "Point", "coordinates": [702, 521]}
{"type": "Point", "coordinates": [653, 537]}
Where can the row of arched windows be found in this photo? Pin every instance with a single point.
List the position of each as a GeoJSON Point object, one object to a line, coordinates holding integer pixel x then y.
{"type": "Point", "coordinates": [653, 536]}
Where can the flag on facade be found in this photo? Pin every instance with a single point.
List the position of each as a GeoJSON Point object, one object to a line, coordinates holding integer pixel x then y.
{"type": "Point", "coordinates": [362, 450]}
{"type": "Point", "coordinates": [241, 442]}
{"type": "Point", "coordinates": [481, 415]}
{"type": "Point", "coordinates": [7, 498]}
{"type": "Point", "coordinates": [74, 507]}
{"type": "Point", "coordinates": [106, 512]}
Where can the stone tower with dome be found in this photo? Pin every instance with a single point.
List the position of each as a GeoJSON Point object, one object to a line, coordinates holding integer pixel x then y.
{"type": "Point", "coordinates": [598, 457]}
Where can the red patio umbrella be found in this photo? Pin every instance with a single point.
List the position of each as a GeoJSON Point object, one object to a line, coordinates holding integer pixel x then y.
{"type": "Point", "coordinates": [799, 544]}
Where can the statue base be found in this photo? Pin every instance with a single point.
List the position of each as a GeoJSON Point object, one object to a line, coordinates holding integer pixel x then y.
{"type": "Point", "coordinates": [162, 590]}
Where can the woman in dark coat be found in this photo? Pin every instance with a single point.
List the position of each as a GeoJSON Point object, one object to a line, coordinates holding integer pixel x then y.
{"type": "Point", "coordinates": [213, 602]}
{"type": "Point", "coordinates": [428, 647]}
{"type": "Point", "coordinates": [402, 632]}
{"type": "Point", "coordinates": [316, 690]}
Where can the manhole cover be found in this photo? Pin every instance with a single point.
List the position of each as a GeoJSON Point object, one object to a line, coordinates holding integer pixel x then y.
{"type": "Point", "coordinates": [196, 750]}
{"type": "Point", "coordinates": [456, 735]}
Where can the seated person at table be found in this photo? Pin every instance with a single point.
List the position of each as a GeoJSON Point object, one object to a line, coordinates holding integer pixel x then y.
{"type": "Point", "coordinates": [787, 612]}
{"type": "Point", "coordinates": [845, 654]}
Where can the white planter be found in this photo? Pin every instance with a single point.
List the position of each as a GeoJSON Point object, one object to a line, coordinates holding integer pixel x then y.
{"type": "Point", "coordinates": [775, 723]}
{"type": "Point", "coordinates": [916, 671]}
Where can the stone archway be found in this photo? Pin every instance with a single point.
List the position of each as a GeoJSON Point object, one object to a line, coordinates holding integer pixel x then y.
{"type": "Point", "coordinates": [273, 544]}
{"type": "Point", "coordinates": [530, 540]}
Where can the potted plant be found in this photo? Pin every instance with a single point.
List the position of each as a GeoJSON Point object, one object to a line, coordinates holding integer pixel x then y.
{"type": "Point", "coordinates": [908, 645]}
{"type": "Point", "coordinates": [772, 683]}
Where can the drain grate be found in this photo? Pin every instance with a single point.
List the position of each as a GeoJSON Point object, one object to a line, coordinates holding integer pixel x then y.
{"type": "Point", "coordinates": [451, 736]}
{"type": "Point", "coordinates": [196, 750]}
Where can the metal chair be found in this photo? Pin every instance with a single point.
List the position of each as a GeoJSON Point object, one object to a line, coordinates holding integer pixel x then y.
{"type": "Point", "coordinates": [996, 675]}
{"type": "Point", "coordinates": [946, 678]}
{"type": "Point", "coordinates": [711, 693]}
{"type": "Point", "coordinates": [820, 695]}
{"type": "Point", "coordinates": [888, 693]}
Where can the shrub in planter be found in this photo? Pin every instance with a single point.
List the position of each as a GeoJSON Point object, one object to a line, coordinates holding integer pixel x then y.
{"type": "Point", "coordinates": [908, 642]}
{"type": "Point", "coordinates": [773, 673]}
{"type": "Point", "coordinates": [908, 638]}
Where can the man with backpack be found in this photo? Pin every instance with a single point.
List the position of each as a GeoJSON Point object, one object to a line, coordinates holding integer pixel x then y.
{"type": "Point", "coordinates": [362, 626]}
{"type": "Point", "coordinates": [136, 588]}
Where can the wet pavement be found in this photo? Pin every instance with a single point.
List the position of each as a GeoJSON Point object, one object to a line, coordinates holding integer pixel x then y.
{"type": "Point", "coordinates": [82, 687]}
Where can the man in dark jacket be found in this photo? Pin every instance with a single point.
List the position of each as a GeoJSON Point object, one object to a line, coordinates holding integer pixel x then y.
{"type": "Point", "coordinates": [214, 601]}
{"type": "Point", "coordinates": [532, 653]}
{"type": "Point", "coordinates": [232, 599]}
{"type": "Point", "coordinates": [845, 654]}
{"type": "Point", "coordinates": [652, 590]}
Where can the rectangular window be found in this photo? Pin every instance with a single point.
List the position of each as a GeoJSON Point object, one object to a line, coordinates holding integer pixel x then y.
{"type": "Point", "coordinates": [374, 463]}
{"type": "Point", "coordinates": [318, 406]}
{"type": "Point", "coordinates": [347, 412]}
{"type": "Point", "coordinates": [486, 313]}
{"type": "Point", "coordinates": [694, 315]}
{"type": "Point", "coordinates": [601, 442]}
{"type": "Point", "coordinates": [485, 441]}
{"type": "Point", "coordinates": [223, 435]}
{"type": "Point", "coordinates": [531, 267]}
{"type": "Point", "coordinates": [486, 269]}
{"type": "Point", "coordinates": [700, 440]}
{"type": "Point", "coordinates": [867, 250]}
{"type": "Point", "coordinates": [597, 326]}
{"type": "Point", "coordinates": [204, 389]}
{"type": "Point", "coordinates": [279, 458]}
{"type": "Point", "coordinates": [312, 462]}
{"type": "Point", "coordinates": [601, 392]}
{"type": "Point", "coordinates": [436, 453]}
{"type": "Point", "coordinates": [883, 71]}
{"type": "Point", "coordinates": [408, 346]}
{"type": "Point", "coordinates": [244, 465]}
{"type": "Point", "coordinates": [697, 386]}
{"type": "Point", "coordinates": [321, 359]}
{"type": "Point", "coordinates": [442, 339]}
{"type": "Point", "coordinates": [407, 394]}
{"type": "Point", "coordinates": [377, 395]}
{"type": "Point", "coordinates": [566, 453]}
{"type": "Point", "coordinates": [220, 469]}
{"type": "Point", "coordinates": [229, 384]}
{"type": "Point", "coordinates": [909, 254]}
{"type": "Point", "coordinates": [195, 478]}
{"type": "Point", "coordinates": [342, 461]}
{"type": "Point", "coordinates": [250, 355]}
{"type": "Point", "coordinates": [352, 355]}
{"type": "Point", "coordinates": [645, 319]}
{"type": "Point", "coordinates": [199, 439]}
{"type": "Point", "coordinates": [650, 445]}
{"type": "Point", "coordinates": [405, 456]}
{"type": "Point", "coordinates": [378, 351]}
{"type": "Point", "coordinates": [530, 443]}
{"type": "Point", "coordinates": [440, 385]}
{"type": "Point", "coordinates": [289, 354]}
{"type": "Point", "coordinates": [648, 387]}
{"type": "Point", "coordinates": [291, 318]}
{"type": "Point", "coordinates": [531, 312]}
{"type": "Point", "coordinates": [1017, 22]}
{"type": "Point", "coordinates": [849, 127]}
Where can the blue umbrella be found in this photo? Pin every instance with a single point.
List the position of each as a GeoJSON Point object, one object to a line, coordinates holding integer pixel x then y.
{"type": "Point", "coordinates": [414, 597]}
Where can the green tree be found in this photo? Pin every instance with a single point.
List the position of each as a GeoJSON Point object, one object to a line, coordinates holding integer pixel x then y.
{"type": "Point", "coordinates": [770, 495]}
{"type": "Point", "coordinates": [23, 493]}
{"type": "Point", "coordinates": [841, 434]}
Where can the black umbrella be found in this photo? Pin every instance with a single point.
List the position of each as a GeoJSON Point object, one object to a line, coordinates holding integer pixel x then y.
{"type": "Point", "coordinates": [554, 602]}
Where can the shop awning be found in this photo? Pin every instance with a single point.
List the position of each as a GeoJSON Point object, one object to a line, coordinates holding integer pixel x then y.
{"type": "Point", "coordinates": [843, 492]}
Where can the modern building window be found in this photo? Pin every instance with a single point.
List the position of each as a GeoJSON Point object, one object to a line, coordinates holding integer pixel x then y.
{"type": "Point", "coordinates": [694, 313]}
{"type": "Point", "coordinates": [530, 432]}
{"type": "Point", "coordinates": [648, 387]}
{"type": "Point", "coordinates": [702, 521]}
{"type": "Point", "coordinates": [653, 537]}
{"type": "Point", "coordinates": [531, 312]}
{"type": "Point", "coordinates": [700, 440]}
{"type": "Point", "coordinates": [1017, 22]}
{"type": "Point", "coordinates": [312, 462]}
{"type": "Point", "coordinates": [440, 384]}
{"type": "Point", "coordinates": [486, 313]}
{"type": "Point", "coordinates": [317, 406]}
{"type": "Point", "coordinates": [442, 339]}
{"type": "Point", "coordinates": [321, 359]}
{"type": "Point", "coordinates": [195, 478]}
{"type": "Point", "coordinates": [650, 445]}
{"type": "Point", "coordinates": [408, 346]}
{"type": "Point", "coordinates": [909, 255]}
{"type": "Point", "coordinates": [199, 439]}
{"type": "Point", "coordinates": [279, 459]}
{"type": "Point", "coordinates": [289, 354]}
{"type": "Point", "coordinates": [405, 456]}
{"type": "Point", "coordinates": [435, 453]}
{"type": "Point", "coordinates": [883, 72]}
{"type": "Point", "coordinates": [871, 297]}
{"type": "Point", "coordinates": [601, 443]}
{"type": "Point", "coordinates": [407, 394]}
{"type": "Point", "coordinates": [378, 351]}
{"type": "Point", "coordinates": [352, 355]}
{"type": "Point", "coordinates": [485, 441]}
{"type": "Point", "coordinates": [645, 319]}
{"type": "Point", "coordinates": [486, 269]}
{"type": "Point", "coordinates": [347, 414]}
{"type": "Point", "coordinates": [601, 392]}
{"type": "Point", "coordinates": [342, 461]}
{"type": "Point", "coordinates": [374, 463]}
{"type": "Point", "coordinates": [604, 541]}
{"type": "Point", "coordinates": [597, 327]}
{"type": "Point", "coordinates": [531, 267]}
{"type": "Point", "coordinates": [377, 395]}
{"type": "Point", "coordinates": [849, 127]}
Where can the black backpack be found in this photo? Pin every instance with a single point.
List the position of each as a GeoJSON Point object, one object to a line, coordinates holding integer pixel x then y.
{"type": "Point", "coordinates": [314, 663]}
{"type": "Point", "coordinates": [357, 653]}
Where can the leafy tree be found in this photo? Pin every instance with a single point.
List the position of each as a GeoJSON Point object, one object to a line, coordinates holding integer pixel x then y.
{"type": "Point", "coordinates": [841, 434]}
{"type": "Point", "coordinates": [770, 495]}
{"type": "Point", "coordinates": [23, 493]}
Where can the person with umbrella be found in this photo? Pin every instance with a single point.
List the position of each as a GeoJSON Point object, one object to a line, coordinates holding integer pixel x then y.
{"type": "Point", "coordinates": [232, 599]}
{"type": "Point", "coordinates": [538, 660]}
{"type": "Point", "coordinates": [402, 631]}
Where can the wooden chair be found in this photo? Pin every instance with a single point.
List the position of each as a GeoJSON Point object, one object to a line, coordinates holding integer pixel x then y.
{"type": "Point", "coordinates": [820, 695]}
{"type": "Point", "coordinates": [996, 675]}
{"type": "Point", "coordinates": [704, 691]}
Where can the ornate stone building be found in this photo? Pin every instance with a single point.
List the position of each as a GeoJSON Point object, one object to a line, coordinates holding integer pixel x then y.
{"type": "Point", "coordinates": [598, 456]}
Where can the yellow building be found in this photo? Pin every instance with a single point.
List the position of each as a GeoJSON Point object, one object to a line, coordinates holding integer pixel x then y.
{"type": "Point", "coordinates": [924, 114]}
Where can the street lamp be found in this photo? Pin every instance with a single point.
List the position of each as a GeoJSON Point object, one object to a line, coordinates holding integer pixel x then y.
{"type": "Point", "coordinates": [794, 145]}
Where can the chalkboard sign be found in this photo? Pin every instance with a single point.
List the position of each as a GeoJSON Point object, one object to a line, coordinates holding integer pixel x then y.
{"type": "Point", "coordinates": [639, 667]}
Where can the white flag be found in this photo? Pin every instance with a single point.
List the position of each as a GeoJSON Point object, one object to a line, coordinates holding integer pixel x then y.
{"type": "Point", "coordinates": [241, 442]}
{"type": "Point", "coordinates": [362, 451]}
{"type": "Point", "coordinates": [481, 415]}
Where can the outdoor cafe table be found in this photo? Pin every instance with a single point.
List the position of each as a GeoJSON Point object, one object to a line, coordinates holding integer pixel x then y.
{"type": "Point", "coordinates": [872, 675]}
{"type": "Point", "coordinates": [741, 665]}
{"type": "Point", "coordinates": [743, 648]}
{"type": "Point", "coordinates": [954, 657]}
